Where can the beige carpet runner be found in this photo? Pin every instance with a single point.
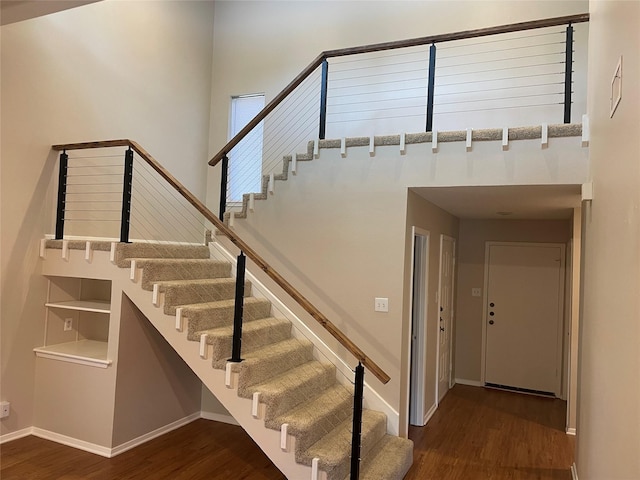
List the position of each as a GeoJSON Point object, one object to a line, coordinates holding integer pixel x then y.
{"type": "Point", "coordinates": [294, 388]}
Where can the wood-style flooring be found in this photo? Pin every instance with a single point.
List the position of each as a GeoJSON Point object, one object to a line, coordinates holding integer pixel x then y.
{"type": "Point", "coordinates": [476, 434]}
{"type": "Point", "coordinates": [479, 433]}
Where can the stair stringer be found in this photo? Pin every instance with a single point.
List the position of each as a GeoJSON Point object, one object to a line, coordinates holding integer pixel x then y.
{"type": "Point", "coordinates": [314, 148]}
{"type": "Point", "coordinates": [322, 352]}
{"type": "Point", "coordinates": [100, 266]}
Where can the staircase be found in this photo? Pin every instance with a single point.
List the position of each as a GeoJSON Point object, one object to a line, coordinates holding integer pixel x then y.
{"type": "Point", "coordinates": [285, 385]}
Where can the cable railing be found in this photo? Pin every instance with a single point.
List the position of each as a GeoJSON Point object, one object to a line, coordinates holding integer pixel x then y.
{"type": "Point", "coordinates": [159, 211]}
{"type": "Point", "coordinates": [506, 75]}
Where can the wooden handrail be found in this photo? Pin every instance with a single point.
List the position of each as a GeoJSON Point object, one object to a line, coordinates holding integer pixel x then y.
{"type": "Point", "coordinates": [237, 241]}
{"type": "Point", "coordinates": [377, 47]}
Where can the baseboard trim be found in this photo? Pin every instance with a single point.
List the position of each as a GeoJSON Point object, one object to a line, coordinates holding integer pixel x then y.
{"type": "Point", "coordinates": [106, 451]}
{"type": "Point", "coordinates": [7, 437]}
{"type": "Point", "coordinates": [472, 383]}
{"type": "Point", "coordinates": [72, 442]}
{"type": "Point", "coordinates": [218, 417]}
{"type": "Point", "coordinates": [574, 471]}
{"type": "Point", "coordinates": [571, 431]}
{"type": "Point", "coordinates": [154, 434]}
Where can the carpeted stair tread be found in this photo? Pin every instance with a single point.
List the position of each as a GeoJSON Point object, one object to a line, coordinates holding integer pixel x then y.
{"type": "Point", "coordinates": [312, 420]}
{"type": "Point", "coordinates": [293, 387]}
{"type": "Point", "coordinates": [100, 245]}
{"type": "Point", "coordinates": [334, 450]}
{"type": "Point", "coordinates": [264, 363]}
{"type": "Point", "coordinates": [126, 251]}
{"type": "Point", "coordinates": [255, 334]}
{"type": "Point", "coordinates": [161, 269]}
{"type": "Point", "coordinates": [186, 292]}
{"type": "Point", "coordinates": [389, 459]}
{"type": "Point", "coordinates": [208, 315]}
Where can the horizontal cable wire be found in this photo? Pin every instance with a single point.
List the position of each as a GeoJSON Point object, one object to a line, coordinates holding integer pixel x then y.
{"type": "Point", "coordinates": [473, 72]}
{"type": "Point", "coordinates": [498, 108]}
{"type": "Point", "coordinates": [500, 88]}
{"type": "Point", "coordinates": [423, 115]}
{"type": "Point", "coordinates": [498, 40]}
{"type": "Point", "coordinates": [498, 50]}
{"type": "Point", "coordinates": [500, 98]}
{"type": "Point", "coordinates": [507, 59]}
{"type": "Point", "coordinates": [498, 79]}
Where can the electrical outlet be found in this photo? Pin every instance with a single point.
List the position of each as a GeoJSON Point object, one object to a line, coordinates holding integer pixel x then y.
{"type": "Point", "coordinates": [5, 409]}
{"type": "Point", "coordinates": [381, 305]}
{"type": "Point", "coordinates": [476, 292]}
{"type": "Point", "coordinates": [68, 324]}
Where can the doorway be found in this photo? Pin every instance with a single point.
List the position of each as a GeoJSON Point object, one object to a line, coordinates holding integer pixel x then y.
{"type": "Point", "coordinates": [419, 290]}
{"type": "Point", "coordinates": [445, 312]}
{"type": "Point", "coordinates": [523, 310]}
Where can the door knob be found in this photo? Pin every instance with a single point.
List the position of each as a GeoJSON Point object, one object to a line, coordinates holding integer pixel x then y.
{"type": "Point", "coordinates": [442, 329]}
{"type": "Point", "coordinates": [490, 322]}
{"type": "Point", "coordinates": [492, 304]}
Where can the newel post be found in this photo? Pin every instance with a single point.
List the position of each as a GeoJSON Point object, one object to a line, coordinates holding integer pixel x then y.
{"type": "Point", "coordinates": [431, 86]}
{"type": "Point", "coordinates": [238, 309]}
{"type": "Point", "coordinates": [568, 73]}
{"type": "Point", "coordinates": [323, 99]}
{"type": "Point", "coordinates": [224, 177]}
{"type": "Point", "coordinates": [62, 195]}
{"type": "Point", "coordinates": [357, 422]}
{"type": "Point", "coordinates": [127, 186]}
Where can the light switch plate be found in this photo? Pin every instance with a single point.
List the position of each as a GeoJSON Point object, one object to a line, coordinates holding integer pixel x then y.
{"type": "Point", "coordinates": [381, 304]}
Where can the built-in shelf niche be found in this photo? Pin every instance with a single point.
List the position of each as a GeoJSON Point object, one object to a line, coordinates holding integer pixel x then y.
{"type": "Point", "coordinates": [86, 303]}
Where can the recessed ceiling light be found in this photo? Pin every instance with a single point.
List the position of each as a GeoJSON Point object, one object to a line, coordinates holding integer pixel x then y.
{"type": "Point", "coordinates": [504, 213]}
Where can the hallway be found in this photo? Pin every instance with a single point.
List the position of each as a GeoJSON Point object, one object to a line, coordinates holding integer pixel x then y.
{"type": "Point", "coordinates": [480, 433]}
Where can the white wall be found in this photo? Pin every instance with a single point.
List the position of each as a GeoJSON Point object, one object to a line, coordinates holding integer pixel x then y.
{"type": "Point", "coordinates": [111, 69]}
{"type": "Point", "coordinates": [609, 381]}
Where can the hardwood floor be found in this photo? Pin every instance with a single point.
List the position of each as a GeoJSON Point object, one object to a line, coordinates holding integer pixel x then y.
{"type": "Point", "coordinates": [476, 434]}
{"type": "Point", "coordinates": [479, 433]}
{"type": "Point", "coordinates": [200, 450]}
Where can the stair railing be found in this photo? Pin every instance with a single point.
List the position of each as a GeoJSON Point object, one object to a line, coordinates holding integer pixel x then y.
{"type": "Point", "coordinates": [238, 242]}
{"type": "Point", "coordinates": [303, 103]}
{"type": "Point", "coordinates": [245, 251]}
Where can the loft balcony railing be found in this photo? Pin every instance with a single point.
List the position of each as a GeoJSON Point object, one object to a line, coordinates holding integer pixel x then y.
{"type": "Point", "coordinates": [516, 75]}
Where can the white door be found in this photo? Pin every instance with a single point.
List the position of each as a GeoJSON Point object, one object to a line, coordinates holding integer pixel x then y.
{"type": "Point", "coordinates": [417, 400]}
{"type": "Point", "coordinates": [445, 312]}
{"type": "Point", "coordinates": [523, 316]}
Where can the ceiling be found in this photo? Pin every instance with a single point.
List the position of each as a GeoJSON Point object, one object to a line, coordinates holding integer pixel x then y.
{"type": "Point", "coordinates": [523, 201]}
{"type": "Point", "coordinates": [12, 11]}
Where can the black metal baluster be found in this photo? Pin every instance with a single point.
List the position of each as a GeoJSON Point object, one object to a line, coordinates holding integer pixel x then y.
{"type": "Point", "coordinates": [323, 99]}
{"type": "Point", "coordinates": [357, 422]}
{"type": "Point", "coordinates": [431, 86]}
{"type": "Point", "coordinates": [127, 184]}
{"type": "Point", "coordinates": [568, 73]}
{"type": "Point", "coordinates": [224, 178]}
{"type": "Point", "coordinates": [62, 195]}
{"type": "Point", "coordinates": [238, 310]}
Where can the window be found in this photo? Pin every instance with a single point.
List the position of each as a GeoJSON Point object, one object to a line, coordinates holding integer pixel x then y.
{"type": "Point", "coordinates": [245, 159]}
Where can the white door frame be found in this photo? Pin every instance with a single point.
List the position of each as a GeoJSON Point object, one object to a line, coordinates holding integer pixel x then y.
{"type": "Point", "coordinates": [453, 283]}
{"type": "Point", "coordinates": [558, 392]}
{"type": "Point", "coordinates": [416, 383]}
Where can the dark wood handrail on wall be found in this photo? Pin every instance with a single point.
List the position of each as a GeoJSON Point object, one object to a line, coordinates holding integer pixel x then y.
{"type": "Point", "coordinates": [237, 241]}
{"type": "Point", "coordinates": [413, 42]}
